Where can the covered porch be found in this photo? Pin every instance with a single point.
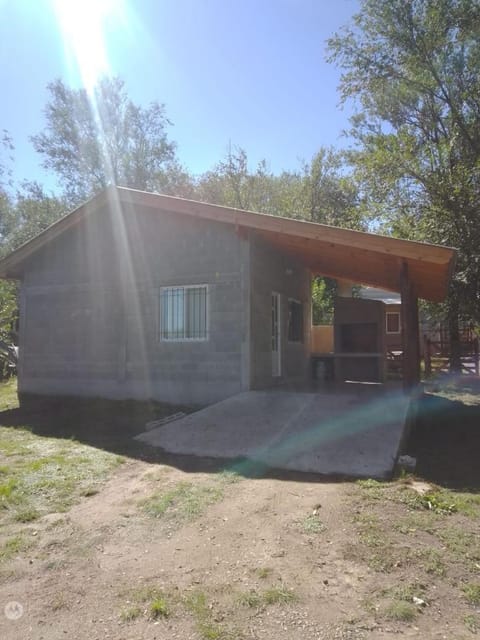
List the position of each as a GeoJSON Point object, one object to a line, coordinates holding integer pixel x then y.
{"type": "Point", "coordinates": [412, 269]}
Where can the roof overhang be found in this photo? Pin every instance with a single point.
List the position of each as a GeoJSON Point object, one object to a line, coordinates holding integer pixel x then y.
{"type": "Point", "coordinates": [366, 258]}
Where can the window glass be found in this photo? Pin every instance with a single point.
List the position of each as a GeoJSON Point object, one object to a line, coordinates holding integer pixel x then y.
{"type": "Point", "coordinates": [183, 313]}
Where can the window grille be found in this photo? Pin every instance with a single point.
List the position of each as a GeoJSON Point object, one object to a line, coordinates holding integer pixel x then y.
{"type": "Point", "coordinates": [183, 313]}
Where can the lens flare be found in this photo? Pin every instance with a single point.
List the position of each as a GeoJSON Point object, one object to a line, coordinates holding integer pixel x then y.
{"type": "Point", "coordinates": [83, 25]}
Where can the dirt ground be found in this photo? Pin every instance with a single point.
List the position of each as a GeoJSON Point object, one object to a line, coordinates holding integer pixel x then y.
{"type": "Point", "coordinates": [165, 552]}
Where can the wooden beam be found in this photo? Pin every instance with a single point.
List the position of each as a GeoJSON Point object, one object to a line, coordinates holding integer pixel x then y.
{"type": "Point", "coordinates": [410, 333]}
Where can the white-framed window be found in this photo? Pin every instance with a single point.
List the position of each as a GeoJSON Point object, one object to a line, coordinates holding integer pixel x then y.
{"type": "Point", "coordinates": [295, 320]}
{"type": "Point", "coordinates": [184, 313]}
{"type": "Point", "coordinates": [392, 322]}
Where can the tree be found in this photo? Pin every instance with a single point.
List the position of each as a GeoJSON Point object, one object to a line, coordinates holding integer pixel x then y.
{"type": "Point", "coordinates": [6, 151]}
{"type": "Point", "coordinates": [412, 68]}
{"type": "Point", "coordinates": [330, 195]}
{"type": "Point", "coordinates": [91, 143]}
{"type": "Point", "coordinates": [320, 191]}
{"type": "Point", "coordinates": [231, 183]}
{"type": "Point", "coordinates": [32, 211]}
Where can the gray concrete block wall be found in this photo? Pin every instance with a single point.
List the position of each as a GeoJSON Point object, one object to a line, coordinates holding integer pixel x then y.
{"type": "Point", "coordinates": [91, 310]}
{"type": "Point", "coordinates": [273, 271]}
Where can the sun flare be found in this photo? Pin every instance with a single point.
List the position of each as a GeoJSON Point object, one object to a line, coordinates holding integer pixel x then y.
{"type": "Point", "coordinates": [83, 25]}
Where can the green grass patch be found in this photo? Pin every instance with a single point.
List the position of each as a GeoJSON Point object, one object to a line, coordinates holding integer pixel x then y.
{"type": "Point", "coordinates": [8, 394]}
{"type": "Point", "coordinates": [312, 524]}
{"type": "Point", "coordinates": [159, 608]}
{"type": "Point", "coordinates": [196, 602]}
{"type": "Point", "coordinates": [43, 475]}
{"type": "Point", "coordinates": [279, 595]}
{"type": "Point", "coordinates": [211, 631]}
{"type": "Point", "coordinates": [437, 500]}
{"type": "Point", "coordinates": [400, 611]}
{"type": "Point", "coordinates": [464, 545]}
{"type": "Point", "coordinates": [229, 477]}
{"type": "Point", "coordinates": [472, 593]}
{"type": "Point", "coordinates": [408, 591]}
{"type": "Point", "coordinates": [432, 561]}
{"type": "Point", "coordinates": [251, 599]}
{"type": "Point", "coordinates": [146, 600]}
{"type": "Point", "coordinates": [183, 502]}
{"type": "Point", "coordinates": [472, 622]}
{"type": "Point", "coordinates": [374, 546]}
{"type": "Point", "coordinates": [12, 547]}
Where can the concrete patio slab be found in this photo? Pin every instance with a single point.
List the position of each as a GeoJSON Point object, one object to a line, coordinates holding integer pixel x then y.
{"type": "Point", "coordinates": [352, 431]}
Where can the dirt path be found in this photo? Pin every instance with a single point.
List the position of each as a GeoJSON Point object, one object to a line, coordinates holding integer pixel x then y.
{"type": "Point", "coordinates": [225, 558]}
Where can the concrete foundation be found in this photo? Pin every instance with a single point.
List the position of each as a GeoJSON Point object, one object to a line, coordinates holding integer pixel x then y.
{"type": "Point", "coordinates": [353, 430]}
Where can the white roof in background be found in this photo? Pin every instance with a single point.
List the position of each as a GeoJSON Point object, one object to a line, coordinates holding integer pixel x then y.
{"type": "Point", "coordinates": [388, 297]}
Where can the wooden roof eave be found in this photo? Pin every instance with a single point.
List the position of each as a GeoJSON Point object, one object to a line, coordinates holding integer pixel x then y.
{"type": "Point", "coordinates": [359, 256]}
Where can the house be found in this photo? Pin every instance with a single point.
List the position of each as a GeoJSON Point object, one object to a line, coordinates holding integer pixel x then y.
{"type": "Point", "coordinates": [139, 295]}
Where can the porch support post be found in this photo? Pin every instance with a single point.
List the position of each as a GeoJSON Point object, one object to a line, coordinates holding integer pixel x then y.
{"type": "Point", "coordinates": [410, 333]}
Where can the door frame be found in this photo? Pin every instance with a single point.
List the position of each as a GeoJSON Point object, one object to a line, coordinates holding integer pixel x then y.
{"type": "Point", "coordinates": [276, 334]}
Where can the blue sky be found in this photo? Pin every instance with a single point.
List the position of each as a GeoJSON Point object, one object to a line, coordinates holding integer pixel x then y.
{"type": "Point", "coordinates": [248, 72]}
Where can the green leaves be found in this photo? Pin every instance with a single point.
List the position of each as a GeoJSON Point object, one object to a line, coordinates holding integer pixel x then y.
{"type": "Point", "coordinates": [107, 139]}
{"type": "Point", "coordinates": [412, 68]}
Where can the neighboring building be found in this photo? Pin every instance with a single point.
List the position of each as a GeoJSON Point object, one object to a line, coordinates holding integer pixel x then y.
{"type": "Point", "coordinates": [137, 295]}
{"type": "Point", "coordinates": [393, 315]}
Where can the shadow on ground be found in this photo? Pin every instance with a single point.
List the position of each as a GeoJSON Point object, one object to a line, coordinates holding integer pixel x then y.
{"type": "Point", "coordinates": [446, 442]}
{"type": "Point", "coordinates": [112, 425]}
{"type": "Point", "coordinates": [445, 439]}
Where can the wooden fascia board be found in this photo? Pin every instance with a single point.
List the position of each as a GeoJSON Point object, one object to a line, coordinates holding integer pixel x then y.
{"type": "Point", "coordinates": [302, 234]}
{"type": "Point", "coordinates": [299, 228]}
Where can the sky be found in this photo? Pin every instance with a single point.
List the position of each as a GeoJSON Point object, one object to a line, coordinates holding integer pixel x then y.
{"type": "Point", "coordinates": [251, 73]}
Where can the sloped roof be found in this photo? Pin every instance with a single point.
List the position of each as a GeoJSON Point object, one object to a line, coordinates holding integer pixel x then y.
{"type": "Point", "coordinates": [366, 258]}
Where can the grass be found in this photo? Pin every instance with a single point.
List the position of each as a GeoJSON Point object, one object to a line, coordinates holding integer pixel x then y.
{"type": "Point", "coordinates": [183, 502]}
{"type": "Point", "coordinates": [400, 611]}
{"type": "Point", "coordinates": [196, 603]}
{"type": "Point", "coordinates": [472, 593]}
{"type": "Point", "coordinates": [41, 475]}
{"type": "Point", "coordinates": [159, 608]}
{"type": "Point", "coordinates": [437, 500]}
{"type": "Point", "coordinates": [8, 395]}
{"type": "Point", "coordinates": [146, 600]}
{"type": "Point", "coordinates": [432, 561]}
{"type": "Point", "coordinates": [312, 524]}
{"type": "Point", "coordinates": [374, 546]}
{"type": "Point", "coordinates": [251, 599]}
{"type": "Point", "coordinates": [12, 547]}
{"type": "Point", "coordinates": [279, 595]}
{"type": "Point", "coordinates": [276, 595]}
{"type": "Point", "coordinates": [264, 572]}
{"type": "Point", "coordinates": [472, 622]}
{"type": "Point", "coordinates": [400, 606]}
{"type": "Point", "coordinates": [464, 545]}
{"type": "Point", "coordinates": [406, 592]}
{"type": "Point", "coordinates": [210, 631]}
{"type": "Point", "coordinates": [130, 613]}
